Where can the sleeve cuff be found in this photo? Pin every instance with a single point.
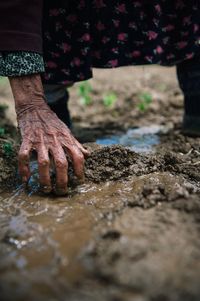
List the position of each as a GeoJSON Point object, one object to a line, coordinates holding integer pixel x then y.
{"type": "Point", "coordinates": [20, 63]}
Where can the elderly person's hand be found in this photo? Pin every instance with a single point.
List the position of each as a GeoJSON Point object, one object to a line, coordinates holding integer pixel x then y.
{"type": "Point", "coordinates": [43, 132]}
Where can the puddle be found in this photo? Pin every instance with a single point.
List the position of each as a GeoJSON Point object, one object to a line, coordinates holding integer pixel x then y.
{"type": "Point", "coordinates": [140, 140]}
{"type": "Point", "coordinates": [41, 238]}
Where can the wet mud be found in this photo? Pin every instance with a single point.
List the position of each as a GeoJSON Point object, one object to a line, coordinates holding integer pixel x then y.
{"type": "Point", "coordinates": [131, 231]}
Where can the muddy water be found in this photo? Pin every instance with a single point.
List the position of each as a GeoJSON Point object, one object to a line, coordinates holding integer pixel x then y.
{"type": "Point", "coordinates": [140, 140]}
{"type": "Point", "coordinates": [42, 238]}
{"type": "Point", "coordinates": [127, 233]}
{"type": "Point", "coordinates": [130, 233]}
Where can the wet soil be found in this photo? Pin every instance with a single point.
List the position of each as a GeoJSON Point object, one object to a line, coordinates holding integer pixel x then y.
{"type": "Point", "coordinates": [131, 231]}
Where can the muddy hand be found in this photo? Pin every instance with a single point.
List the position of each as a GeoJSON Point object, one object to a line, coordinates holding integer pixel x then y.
{"type": "Point", "coordinates": [43, 132]}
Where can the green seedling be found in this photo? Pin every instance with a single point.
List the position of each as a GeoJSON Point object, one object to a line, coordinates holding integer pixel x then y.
{"type": "Point", "coordinates": [145, 101]}
{"type": "Point", "coordinates": [8, 149]}
{"type": "Point", "coordinates": [109, 99]}
{"type": "Point", "coordinates": [2, 131]}
{"type": "Point", "coordinates": [84, 91]}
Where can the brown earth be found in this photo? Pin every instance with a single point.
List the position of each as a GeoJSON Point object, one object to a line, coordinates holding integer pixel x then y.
{"type": "Point", "coordinates": [131, 231]}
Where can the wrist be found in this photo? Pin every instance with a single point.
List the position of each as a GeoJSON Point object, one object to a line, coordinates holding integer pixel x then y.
{"type": "Point", "coordinates": [27, 90]}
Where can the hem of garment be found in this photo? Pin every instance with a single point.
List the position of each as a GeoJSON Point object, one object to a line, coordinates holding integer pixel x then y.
{"type": "Point", "coordinates": [50, 78]}
{"type": "Point", "coordinates": [17, 41]}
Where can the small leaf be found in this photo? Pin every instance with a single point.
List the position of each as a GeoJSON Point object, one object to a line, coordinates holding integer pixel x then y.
{"type": "Point", "coordinates": [109, 99]}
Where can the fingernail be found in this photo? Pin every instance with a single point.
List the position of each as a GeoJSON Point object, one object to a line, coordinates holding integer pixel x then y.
{"type": "Point", "coordinates": [46, 189]}
{"type": "Point", "coordinates": [60, 191]}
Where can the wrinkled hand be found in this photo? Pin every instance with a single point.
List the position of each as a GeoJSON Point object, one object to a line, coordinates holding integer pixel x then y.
{"type": "Point", "coordinates": [43, 132]}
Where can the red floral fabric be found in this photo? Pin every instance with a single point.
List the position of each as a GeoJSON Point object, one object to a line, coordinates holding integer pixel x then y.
{"type": "Point", "coordinates": [81, 34]}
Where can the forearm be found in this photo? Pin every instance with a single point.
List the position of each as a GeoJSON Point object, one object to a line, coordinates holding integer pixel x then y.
{"type": "Point", "coordinates": [24, 88]}
{"type": "Point", "coordinates": [28, 93]}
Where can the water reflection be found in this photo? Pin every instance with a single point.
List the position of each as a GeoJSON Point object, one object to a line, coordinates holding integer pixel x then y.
{"type": "Point", "coordinates": [140, 140]}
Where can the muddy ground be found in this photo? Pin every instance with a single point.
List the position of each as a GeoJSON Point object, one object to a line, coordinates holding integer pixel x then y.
{"type": "Point", "coordinates": [131, 231]}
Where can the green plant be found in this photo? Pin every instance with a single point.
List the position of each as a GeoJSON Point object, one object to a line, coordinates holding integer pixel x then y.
{"type": "Point", "coordinates": [8, 149]}
{"type": "Point", "coordinates": [84, 91]}
{"type": "Point", "coordinates": [109, 99]}
{"type": "Point", "coordinates": [2, 131]}
{"type": "Point", "coordinates": [145, 100]}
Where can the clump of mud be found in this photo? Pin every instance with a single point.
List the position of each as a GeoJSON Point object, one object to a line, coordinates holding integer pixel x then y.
{"type": "Point", "coordinates": [117, 162]}
{"type": "Point", "coordinates": [8, 142]}
{"type": "Point", "coordinates": [154, 234]}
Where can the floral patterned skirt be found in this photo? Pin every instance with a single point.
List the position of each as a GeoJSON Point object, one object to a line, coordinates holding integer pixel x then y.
{"type": "Point", "coordinates": [82, 34]}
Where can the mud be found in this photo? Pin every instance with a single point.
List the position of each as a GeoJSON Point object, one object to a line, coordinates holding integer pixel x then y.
{"type": "Point", "coordinates": [8, 150]}
{"type": "Point", "coordinates": [131, 231]}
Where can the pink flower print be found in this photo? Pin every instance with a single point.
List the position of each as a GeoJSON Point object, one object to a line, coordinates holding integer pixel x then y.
{"type": "Point", "coordinates": [77, 62]}
{"type": "Point", "coordinates": [158, 9]}
{"type": "Point", "coordinates": [53, 12]}
{"type": "Point", "coordinates": [116, 23]}
{"type": "Point", "coordinates": [169, 27]}
{"type": "Point", "coordinates": [190, 56]}
{"type": "Point", "coordinates": [85, 37]}
{"type": "Point", "coordinates": [137, 4]}
{"type": "Point", "coordinates": [55, 54]}
{"type": "Point", "coordinates": [152, 35]}
{"type": "Point", "coordinates": [51, 65]}
{"type": "Point", "coordinates": [159, 50]}
{"type": "Point", "coordinates": [187, 20]}
{"type": "Point", "coordinates": [132, 25]}
{"type": "Point", "coordinates": [170, 56]}
{"type": "Point", "coordinates": [121, 8]}
{"type": "Point", "coordinates": [115, 50]}
{"type": "Point", "coordinates": [66, 47]}
{"type": "Point", "coordinates": [72, 19]}
{"type": "Point", "coordinates": [136, 53]}
{"type": "Point", "coordinates": [99, 4]}
{"type": "Point", "coordinates": [100, 26]}
{"type": "Point", "coordinates": [122, 37]}
{"type": "Point", "coordinates": [105, 40]}
{"type": "Point", "coordinates": [113, 63]}
{"type": "Point", "coordinates": [182, 44]}
{"type": "Point", "coordinates": [196, 27]}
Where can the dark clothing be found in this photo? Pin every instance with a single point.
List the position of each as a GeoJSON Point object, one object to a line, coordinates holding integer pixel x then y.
{"type": "Point", "coordinates": [81, 34]}
{"type": "Point", "coordinates": [20, 25]}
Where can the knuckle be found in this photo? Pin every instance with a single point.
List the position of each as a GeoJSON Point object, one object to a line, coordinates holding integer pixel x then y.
{"type": "Point", "coordinates": [43, 162]}
{"type": "Point", "coordinates": [23, 156]}
{"type": "Point", "coordinates": [62, 163]}
{"type": "Point", "coordinates": [79, 158]}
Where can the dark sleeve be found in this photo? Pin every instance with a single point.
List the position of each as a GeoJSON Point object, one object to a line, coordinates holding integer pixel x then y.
{"type": "Point", "coordinates": [21, 25]}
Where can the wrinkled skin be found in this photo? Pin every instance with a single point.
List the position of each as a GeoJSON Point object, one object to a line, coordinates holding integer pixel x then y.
{"type": "Point", "coordinates": [43, 132]}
